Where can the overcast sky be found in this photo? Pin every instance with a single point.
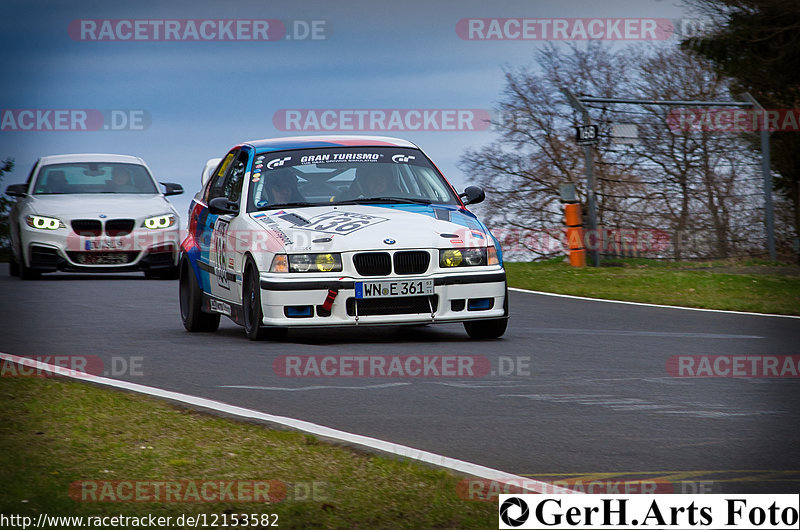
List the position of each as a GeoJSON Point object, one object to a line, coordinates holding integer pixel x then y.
{"type": "Point", "coordinates": [194, 99]}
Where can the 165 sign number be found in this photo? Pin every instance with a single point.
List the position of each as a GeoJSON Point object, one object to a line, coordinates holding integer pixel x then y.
{"type": "Point", "coordinates": [586, 134]}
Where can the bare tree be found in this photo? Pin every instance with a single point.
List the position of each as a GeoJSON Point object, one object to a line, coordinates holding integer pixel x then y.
{"type": "Point", "coordinates": [6, 166]}
{"type": "Point", "coordinates": [535, 154]}
{"type": "Point", "coordinates": [700, 186]}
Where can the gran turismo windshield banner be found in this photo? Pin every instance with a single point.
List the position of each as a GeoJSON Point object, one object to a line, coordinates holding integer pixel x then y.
{"type": "Point", "coordinates": [341, 155]}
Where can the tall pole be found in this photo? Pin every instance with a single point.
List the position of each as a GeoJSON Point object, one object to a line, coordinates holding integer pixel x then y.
{"type": "Point", "coordinates": [766, 174]}
{"type": "Point", "coordinates": [589, 165]}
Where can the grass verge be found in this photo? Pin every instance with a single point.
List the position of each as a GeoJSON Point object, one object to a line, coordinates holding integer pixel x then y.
{"type": "Point", "coordinates": [63, 441]}
{"type": "Point", "coordinates": [748, 285]}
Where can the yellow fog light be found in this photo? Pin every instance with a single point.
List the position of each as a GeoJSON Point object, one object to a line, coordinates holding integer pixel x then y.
{"type": "Point", "coordinates": [326, 262]}
{"type": "Point", "coordinates": [451, 258]}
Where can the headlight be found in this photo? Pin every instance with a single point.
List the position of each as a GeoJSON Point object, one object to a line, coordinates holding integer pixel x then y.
{"type": "Point", "coordinates": [306, 263]}
{"type": "Point", "coordinates": [44, 223]}
{"type": "Point", "coordinates": [315, 262]}
{"type": "Point", "coordinates": [463, 257]}
{"type": "Point", "coordinates": [159, 221]}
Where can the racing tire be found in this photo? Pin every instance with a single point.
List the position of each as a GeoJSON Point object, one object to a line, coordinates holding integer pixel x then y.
{"type": "Point", "coordinates": [13, 266]}
{"type": "Point", "coordinates": [251, 308]}
{"type": "Point", "coordinates": [193, 317]}
{"type": "Point", "coordinates": [173, 273]}
{"type": "Point", "coordinates": [27, 273]}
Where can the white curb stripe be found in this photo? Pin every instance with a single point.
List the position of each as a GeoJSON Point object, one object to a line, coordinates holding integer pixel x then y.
{"type": "Point", "coordinates": [649, 305]}
{"type": "Point", "coordinates": [460, 466]}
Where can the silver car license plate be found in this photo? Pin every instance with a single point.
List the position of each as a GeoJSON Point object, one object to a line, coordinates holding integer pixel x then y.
{"type": "Point", "coordinates": [105, 244]}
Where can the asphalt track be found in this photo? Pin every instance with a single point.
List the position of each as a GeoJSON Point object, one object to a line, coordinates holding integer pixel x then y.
{"type": "Point", "coordinates": [591, 399]}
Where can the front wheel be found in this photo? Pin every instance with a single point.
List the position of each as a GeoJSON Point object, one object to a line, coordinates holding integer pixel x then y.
{"type": "Point", "coordinates": [193, 317]}
{"type": "Point", "coordinates": [27, 273]}
{"type": "Point", "coordinates": [13, 266]}
{"type": "Point", "coordinates": [22, 270]}
{"type": "Point", "coordinates": [171, 273]}
{"type": "Point", "coordinates": [251, 307]}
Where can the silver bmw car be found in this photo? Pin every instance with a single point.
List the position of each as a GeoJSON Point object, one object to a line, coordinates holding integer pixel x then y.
{"type": "Point", "coordinates": [93, 213]}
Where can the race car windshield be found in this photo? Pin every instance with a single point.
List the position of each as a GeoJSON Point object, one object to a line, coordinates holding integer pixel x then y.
{"type": "Point", "coordinates": [363, 175]}
{"type": "Point", "coordinates": [93, 177]}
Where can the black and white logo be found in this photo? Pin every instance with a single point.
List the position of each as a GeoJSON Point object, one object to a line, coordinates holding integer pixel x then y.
{"type": "Point", "coordinates": [277, 162]}
{"type": "Point", "coordinates": [402, 159]}
{"type": "Point", "coordinates": [521, 505]}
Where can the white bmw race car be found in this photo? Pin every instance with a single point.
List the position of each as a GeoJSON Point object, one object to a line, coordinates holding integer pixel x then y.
{"type": "Point", "coordinates": [337, 231]}
{"type": "Point", "coordinates": [93, 213]}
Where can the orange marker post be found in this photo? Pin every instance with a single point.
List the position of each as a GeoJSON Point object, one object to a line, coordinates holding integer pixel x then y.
{"type": "Point", "coordinates": [577, 252]}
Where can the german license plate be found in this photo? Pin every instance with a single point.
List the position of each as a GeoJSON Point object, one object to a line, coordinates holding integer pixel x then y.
{"type": "Point", "coordinates": [392, 289]}
{"type": "Point", "coordinates": [104, 258]}
{"type": "Point", "coordinates": [104, 244]}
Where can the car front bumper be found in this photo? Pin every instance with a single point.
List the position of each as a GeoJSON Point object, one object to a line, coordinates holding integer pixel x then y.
{"type": "Point", "coordinates": [63, 250]}
{"type": "Point", "coordinates": [457, 297]}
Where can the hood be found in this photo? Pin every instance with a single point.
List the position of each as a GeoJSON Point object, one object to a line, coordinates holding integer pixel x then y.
{"type": "Point", "coordinates": [359, 227]}
{"type": "Point", "coordinates": [93, 204]}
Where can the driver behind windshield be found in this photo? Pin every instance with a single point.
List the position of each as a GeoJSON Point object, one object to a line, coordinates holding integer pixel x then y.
{"type": "Point", "coordinates": [121, 181]}
{"type": "Point", "coordinates": [372, 180]}
{"type": "Point", "coordinates": [281, 187]}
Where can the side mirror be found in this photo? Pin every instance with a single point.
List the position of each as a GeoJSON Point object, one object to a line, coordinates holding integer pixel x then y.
{"type": "Point", "coordinates": [473, 195]}
{"type": "Point", "coordinates": [171, 188]}
{"type": "Point", "coordinates": [17, 190]}
{"type": "Point", "coordinates": [222, 206]}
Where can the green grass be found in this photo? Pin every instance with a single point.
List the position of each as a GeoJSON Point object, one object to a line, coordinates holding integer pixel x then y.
{"type": "Point", "coordinates": [749, 285]}
{"type": "Point", "coordinates": [55, 432]}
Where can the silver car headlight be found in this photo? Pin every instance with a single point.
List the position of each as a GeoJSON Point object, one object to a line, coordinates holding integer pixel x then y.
{"type": "Point", "coordinates": [159, 222]}
{"type": "Point", "coordinates": [43, 222]}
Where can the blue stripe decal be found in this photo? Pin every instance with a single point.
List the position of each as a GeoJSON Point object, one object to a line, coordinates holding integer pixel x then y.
{"type": "Point", "coordinates": [283, 146]}
{"type": "Point", "coordinates": [457, 215]}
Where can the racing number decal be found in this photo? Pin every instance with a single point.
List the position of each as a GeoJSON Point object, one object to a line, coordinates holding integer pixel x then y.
{"type": "Point", "coordinates": [341, 222]}
{"type": "Point", "coordinates": [220, 247]}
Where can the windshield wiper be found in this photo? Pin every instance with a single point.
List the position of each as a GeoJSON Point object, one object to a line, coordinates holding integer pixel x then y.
{"type": "Point", "coordinates": [404, 200]}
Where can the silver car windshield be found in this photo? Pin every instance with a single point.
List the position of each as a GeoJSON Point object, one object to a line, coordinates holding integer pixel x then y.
{"type": "Point", "coordinates": [346, 175]}
{"type": "Point", "coordinates": [93, 177]}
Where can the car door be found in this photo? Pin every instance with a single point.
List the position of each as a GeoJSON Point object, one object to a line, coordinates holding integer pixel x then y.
{"type": "Point", "coordinates": [221, 253]}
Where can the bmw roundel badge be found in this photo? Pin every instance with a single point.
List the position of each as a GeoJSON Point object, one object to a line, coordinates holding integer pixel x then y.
{"type": "Point", "coordinates": [389, 241]}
